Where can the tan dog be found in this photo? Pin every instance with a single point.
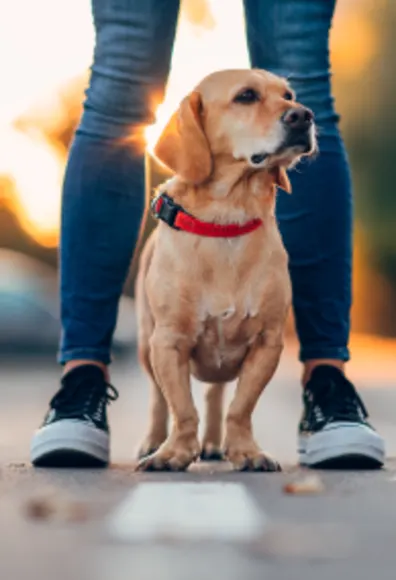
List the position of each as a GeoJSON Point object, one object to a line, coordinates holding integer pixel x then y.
{"type": "Point", "coordinates": [213, 303]}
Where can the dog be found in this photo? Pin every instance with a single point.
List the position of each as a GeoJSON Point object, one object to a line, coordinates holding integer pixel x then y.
{"type": "Point", "coordinates": [213, 289]}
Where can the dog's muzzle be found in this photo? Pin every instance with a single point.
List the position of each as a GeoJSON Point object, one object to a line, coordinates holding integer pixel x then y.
{"type": "Point", "coordinates": [298, 122]}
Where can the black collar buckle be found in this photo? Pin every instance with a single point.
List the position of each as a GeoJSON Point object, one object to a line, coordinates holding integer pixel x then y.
{"type": "Point", "coordinates": [164, 208]}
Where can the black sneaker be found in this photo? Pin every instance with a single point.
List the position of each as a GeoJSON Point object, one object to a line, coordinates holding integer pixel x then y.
{"type": "Point", "coordinates": [75, 432]}
{"type": "Point", "coordinates": [334, 431]}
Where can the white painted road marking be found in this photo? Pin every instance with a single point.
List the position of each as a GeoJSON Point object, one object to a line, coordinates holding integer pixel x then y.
{"type": "Point", "coordinates": [187, 511]}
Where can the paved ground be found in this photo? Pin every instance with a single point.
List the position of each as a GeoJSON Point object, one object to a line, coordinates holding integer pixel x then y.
{"type": "Point", "coordinates": [346, 531]}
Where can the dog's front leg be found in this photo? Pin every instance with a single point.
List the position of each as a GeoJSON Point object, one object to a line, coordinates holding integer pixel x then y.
{"type": "Point", "coordinates": [258, 368]}
{"type": "Point", "coordinates": [170, 356]}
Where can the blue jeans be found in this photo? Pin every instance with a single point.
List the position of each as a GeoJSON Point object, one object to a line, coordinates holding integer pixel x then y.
{"type": "Point", "coordinates": [103, 196]}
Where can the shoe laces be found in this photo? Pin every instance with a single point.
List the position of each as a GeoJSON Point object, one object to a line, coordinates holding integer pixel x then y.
{"type": "Point", "coordinates": [84, 396]}
{"type": "Point", "coordinates": [336, 398]}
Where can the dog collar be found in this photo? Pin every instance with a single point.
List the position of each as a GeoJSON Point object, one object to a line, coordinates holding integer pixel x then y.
{"type": "Point", "coordinates": [164, 208]}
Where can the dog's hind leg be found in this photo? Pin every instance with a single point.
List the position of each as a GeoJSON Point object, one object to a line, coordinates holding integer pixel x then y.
{"type": "Point", "coordinates": [212, 438]}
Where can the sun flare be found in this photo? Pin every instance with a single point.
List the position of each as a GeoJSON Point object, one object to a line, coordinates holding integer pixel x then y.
{"type": "Point", "coordinates": [203, 45]}
{"type": "Point", "coordinates": [208, 39]}
{"type": "Point", "coordinates": [36, 170]}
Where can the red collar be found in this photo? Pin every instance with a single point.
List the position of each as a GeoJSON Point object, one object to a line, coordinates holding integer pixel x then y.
{"type": "Point", "coordinates": [164, 208]}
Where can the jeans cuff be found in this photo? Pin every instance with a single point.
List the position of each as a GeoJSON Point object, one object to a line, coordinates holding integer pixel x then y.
{"type": "Point", "coordinates": [329, 352]}
{"type": "Point", "coordinates": [95, 354]}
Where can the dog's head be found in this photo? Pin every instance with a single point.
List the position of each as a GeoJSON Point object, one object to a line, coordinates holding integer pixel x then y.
{"type": "Point", "coordinates": [237, 115]}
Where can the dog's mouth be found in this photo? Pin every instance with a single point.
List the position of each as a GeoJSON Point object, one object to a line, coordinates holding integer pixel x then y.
{"type": "Point", "coordinates": [295, 145]}
{"type": "Point", "coordinates": [303, 141]}
{"type": "Point", "coordinates": [258, 158]}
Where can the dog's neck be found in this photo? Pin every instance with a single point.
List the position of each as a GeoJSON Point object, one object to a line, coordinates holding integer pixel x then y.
{"type": "Point", "coordinates": [234, 193]}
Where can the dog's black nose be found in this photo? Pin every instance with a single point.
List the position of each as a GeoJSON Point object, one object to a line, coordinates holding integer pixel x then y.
{"type": "Point", "coordinates": [298, 118]}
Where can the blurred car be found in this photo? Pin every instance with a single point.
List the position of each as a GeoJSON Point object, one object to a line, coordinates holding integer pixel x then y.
{"type": "Point", "coordinates": [29, 309]}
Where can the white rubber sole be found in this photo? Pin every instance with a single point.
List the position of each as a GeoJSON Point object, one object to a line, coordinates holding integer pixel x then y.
{"type": "Point", "coordinates": [343, 443]}
{"type": "Point", "coordinates": [70, 443]}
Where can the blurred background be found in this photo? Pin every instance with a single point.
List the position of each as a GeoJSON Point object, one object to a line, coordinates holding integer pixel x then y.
{"type": "Point", "coordinates": [44, 62]}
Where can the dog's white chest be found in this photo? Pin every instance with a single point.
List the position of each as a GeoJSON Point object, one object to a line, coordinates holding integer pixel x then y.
{"type": "Point", "coordinates": [225, 331]}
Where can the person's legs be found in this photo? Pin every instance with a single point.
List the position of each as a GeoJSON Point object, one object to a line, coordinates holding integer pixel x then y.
{"type": "Point", "coordinates": [102, 207]}
{"type": "Point", "coordinates": [291, 38]}
{"type": "Point", "coordinates": [103, 196]}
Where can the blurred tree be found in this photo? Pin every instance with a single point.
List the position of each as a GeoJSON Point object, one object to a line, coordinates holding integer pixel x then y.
{"type": "Point", "coordinates": [371, 138]}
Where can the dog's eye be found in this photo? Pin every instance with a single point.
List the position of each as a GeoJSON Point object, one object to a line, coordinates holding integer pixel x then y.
{"type": "Point", "coordinates": [247, 97]}
{"type": "Point", "coordinates": [288, 96]}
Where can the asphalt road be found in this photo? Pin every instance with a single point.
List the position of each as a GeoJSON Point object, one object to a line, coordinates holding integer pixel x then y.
{"type": "Point", "coordinates": [114, 525]}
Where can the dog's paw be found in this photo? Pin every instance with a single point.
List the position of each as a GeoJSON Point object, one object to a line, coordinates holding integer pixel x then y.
{"type": "Point", "coordinates": [211, 452]}
{"type": "Point", "coordinates": [171, 457]}
{"type": "Point", "coordinates": [149, 446]}
{"type": "Point", "coordinates": [254, 462]}
{"type": "Point", "coordinates": [145, 451]}
{"type": "Point", "coordinates": [246, 455]}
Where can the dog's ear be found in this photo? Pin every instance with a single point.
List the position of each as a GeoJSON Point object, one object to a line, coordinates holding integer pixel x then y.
{"type": "Point", "coordinates": [281, 178]}
{"type": "Point", "coordinates": [183, 146]}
